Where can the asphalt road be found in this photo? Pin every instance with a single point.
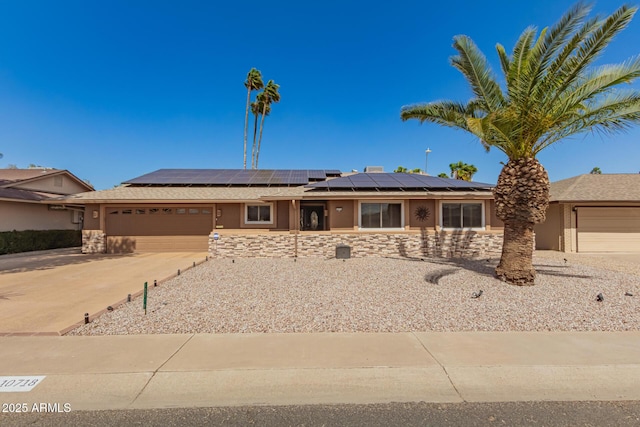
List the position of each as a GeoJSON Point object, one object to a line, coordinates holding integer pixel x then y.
{"type": "Point", "coordinates": [395, 414]}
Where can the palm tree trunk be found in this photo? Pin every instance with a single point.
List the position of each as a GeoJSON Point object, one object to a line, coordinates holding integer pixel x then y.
{"type": "Point", "coordinates": [246, 126]}
{"type": "Point", "coordinates": [264, 110]}
{"type": "Point", "coordinates": [516, 263]}
{"type": "Point", "coordinates": [253, 149]}
{"type": "Point", "coordinates": [521, 198]}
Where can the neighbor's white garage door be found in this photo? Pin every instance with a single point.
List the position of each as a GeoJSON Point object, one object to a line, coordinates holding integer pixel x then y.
{"type": "Point", "coordinates": [609, 229]}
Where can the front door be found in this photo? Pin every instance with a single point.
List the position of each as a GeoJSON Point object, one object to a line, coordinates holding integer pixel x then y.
{"type": "Point", "coordinates": [312, 217]}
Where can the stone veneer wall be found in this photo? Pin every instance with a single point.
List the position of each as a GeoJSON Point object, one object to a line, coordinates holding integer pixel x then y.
{"type": "Point", "coordinates": [94, 242]}
{"type": "Point", "coordinates": [468, 244]}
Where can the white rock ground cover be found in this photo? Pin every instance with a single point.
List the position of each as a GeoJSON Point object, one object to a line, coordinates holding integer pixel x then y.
{"type": "Point", "coordinates": [380, 295]}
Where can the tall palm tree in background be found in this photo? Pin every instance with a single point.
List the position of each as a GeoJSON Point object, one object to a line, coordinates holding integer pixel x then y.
{"type": "Point", "coordinates": [551, 92]}
{"type": "Point", "coordinates": [270, 95]}
{"type": "Point", "coordinates": [257, 108]}
{"type": "Point", "coordinates": [253, 82]}
{"type": "Point", "coordinates": [462, 171]}
{"type": "Point", "coordinates": [596, 171]}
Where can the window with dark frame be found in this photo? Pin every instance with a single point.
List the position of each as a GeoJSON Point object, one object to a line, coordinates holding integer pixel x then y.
{"type": "Point", "coordinates": [258, 214]}
{"type": "Point", "coordinates": [462, 215]}
{"type": "Point", "coordinates": [380, 215]}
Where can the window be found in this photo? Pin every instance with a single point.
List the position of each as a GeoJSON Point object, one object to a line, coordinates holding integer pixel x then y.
{"type": "Point", "coordinates": [462, 215]}
{"type": "Point", "coordinates": [126, 211]}
{"type": "Point", "coordinates": [206, 211]}
{"type": "Point", "coordinates": [194, 211]}
{"type": "Point", "coordinates": [381, 215]}
{"type": "Point", "coordinates": [167, 211]}
{"type": "Point", "coordinates": [141, 211]}
{"type": "Point", "coordinates": [181, 211]}
{"type": "Point", "coordinates": [153, 211]}
{"type": "Point", "coordinates": [258, 214]}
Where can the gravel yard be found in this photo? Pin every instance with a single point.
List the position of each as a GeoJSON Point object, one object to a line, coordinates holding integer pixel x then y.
{"type": "Point", "coordinates": [381, 295]}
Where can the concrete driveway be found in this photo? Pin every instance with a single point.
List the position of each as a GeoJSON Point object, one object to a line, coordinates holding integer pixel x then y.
{"type": "Point", "coordinates": [47, 292]}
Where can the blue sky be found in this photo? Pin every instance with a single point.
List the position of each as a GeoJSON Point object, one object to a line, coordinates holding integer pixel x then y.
{"type": "Point", "coordinates": [111, 90]}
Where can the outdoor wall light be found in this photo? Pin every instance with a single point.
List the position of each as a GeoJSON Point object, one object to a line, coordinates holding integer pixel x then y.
{"type": "Point", "coordinates": [95, 214]}
{"type": "Point", "coordinates": [219, 213]}
{"type": "Point", "coordinates": [339, 209]}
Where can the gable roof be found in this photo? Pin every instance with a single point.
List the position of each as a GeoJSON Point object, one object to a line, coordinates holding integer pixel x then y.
{"type": "Point", "coordinates": [12, 177]}
{"type": "Point", "coordinates": [18, 175]}
{"type": "Point", "coordinates": [13, 188]}
{"type": "Point", "coordinates": [597, 188]}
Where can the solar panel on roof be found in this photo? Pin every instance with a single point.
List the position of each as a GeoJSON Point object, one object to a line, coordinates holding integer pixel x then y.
{"type": "Point", "coordinates": [316, 174]}
{"type": "Point", "coordinates": [399, 181]}
{"type": "Point", "coordinates": [359, 178]}
{"type": "Point", "coordinates": [298, 177]}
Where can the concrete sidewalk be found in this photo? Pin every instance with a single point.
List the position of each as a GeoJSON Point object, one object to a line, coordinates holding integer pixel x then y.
{"type": "Point", "coordinates": [163, 371]}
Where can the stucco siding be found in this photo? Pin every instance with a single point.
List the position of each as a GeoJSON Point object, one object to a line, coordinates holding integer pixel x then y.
{"type": "Point", "coordinates": [414, 222]}
{"type": "Point", "coordinates": [343, 219]}
{"type": "Point", "coordinates": [230, 215]}
{"type": "Point", "coordinates": [549, 233]}
{"type": "Point", "coordinates": [33, 216]}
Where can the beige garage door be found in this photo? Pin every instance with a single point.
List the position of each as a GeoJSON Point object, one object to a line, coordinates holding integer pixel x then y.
{"type": "Point", "coordinates": [609, 229]}
{"type": "Point", "coordinates": [158, 229]}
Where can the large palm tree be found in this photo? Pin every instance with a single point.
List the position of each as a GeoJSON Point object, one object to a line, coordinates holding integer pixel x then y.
{"type": "Point", "coordinates": [550, 92]}
{"type": "Point", "coordinates": [257, 108]}
{"type": "Point", "coordinates": [270, 95]}
{"type": "Point", "coordinates": [462, 171]}
{"type": "Point", "coordinates": [253, 82]}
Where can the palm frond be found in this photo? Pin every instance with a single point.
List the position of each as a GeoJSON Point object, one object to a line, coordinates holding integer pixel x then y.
{"type": "Point", "coordinates": [552, 90]}
{"type": "Point", "coordinates": [254, 80]}
{"type": "Point", "coordinates": [598, 38]}
{"type": "Point", "coordinates": [447, 113]}
{"type": "Point", "coordinates": [505, 61]}
{"type": "Point", "coordinates": [615, 113]}
{"type": "Point", "coordinates": [474, 66]}
{"type": "Point", "coordinates": [599, 81]}
{"type": "Point", "coordinates": [553, 39]}
{"type": "Point", "coordinates": [519, 60]}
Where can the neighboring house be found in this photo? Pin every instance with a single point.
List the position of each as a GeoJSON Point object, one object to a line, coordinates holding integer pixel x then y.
{"type": "Point", "coordinates": [287, 213]}
{"type": "Point", "coordinates": [593, 213]}
{"type": "Point", "coordinates": [26, 195]}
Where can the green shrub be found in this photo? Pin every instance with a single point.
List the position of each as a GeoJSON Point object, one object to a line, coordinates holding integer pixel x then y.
{"type": "Point", "coordinates": [13, 242]}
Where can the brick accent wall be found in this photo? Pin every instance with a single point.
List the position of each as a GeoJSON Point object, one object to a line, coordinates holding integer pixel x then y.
{"type": "Point", "coordinates": [94, 242]}
{"type": "Point", "coordinates": [469, 244]}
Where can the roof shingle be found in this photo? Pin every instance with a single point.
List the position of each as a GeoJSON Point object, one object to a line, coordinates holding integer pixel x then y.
{"type": "Point", "coordinates": [597, 188]}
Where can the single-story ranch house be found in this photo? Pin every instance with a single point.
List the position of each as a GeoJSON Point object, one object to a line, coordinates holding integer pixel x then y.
{"type": "Point", "coordinates": [593, 213]}
{"type": "Point", "coordinates": [289, 213]}
{"type": "Point", "coordinates": [24, 197]}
